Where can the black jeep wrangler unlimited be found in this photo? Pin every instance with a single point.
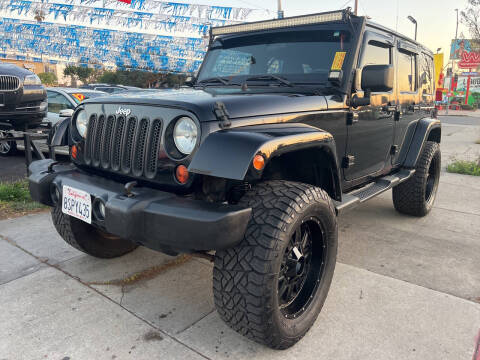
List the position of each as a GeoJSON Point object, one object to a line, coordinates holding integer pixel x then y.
{"type": "Point", "coordinates": [288, 123]}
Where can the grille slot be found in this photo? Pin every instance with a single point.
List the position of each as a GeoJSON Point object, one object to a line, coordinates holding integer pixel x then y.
{"type": "Point", "coordinates": [124, 145]}
{"type": "Point", "coordinates": [117, 143]}
{"type": "Point", "coordinates": [153, 147]}
{"type": "Point", "coordinates": [97, 143]}
{"type": "Point", "coordinates": [139, 154]}
{"type": "Point", "coordinates": [92, 124]}
{"type": "Point", "coordinates": [128, 145]}
{"type": "Point", "coordinates": [9, 83]}
{"type": "Point", "coordinates": [107, 142]}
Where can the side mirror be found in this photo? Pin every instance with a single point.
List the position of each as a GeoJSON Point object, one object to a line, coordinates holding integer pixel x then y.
{"type": "Point", "coordinates": [66, 113]}
{"type": "Point", "coordinates": [378, 78]}
{"type": "Point", "coordinates": [375, 78]}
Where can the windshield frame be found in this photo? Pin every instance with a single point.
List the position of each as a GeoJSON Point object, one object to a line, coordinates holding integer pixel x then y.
{"type": "Point", "coordinates": [354, 25]}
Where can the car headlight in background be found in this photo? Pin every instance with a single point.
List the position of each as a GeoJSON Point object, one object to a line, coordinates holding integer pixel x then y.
{"type": "Point", "coordinates": [185, 135]}
{"type": "Point", "coordinates": [43, 106]}
{"type": "Point", "coordinates": [81, 123]}
{"type": "Point", "coordinates": [32, 80]}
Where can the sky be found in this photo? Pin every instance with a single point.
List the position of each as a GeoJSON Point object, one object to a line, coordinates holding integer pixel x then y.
{"type": "Point", "coordinates": [436, 18]}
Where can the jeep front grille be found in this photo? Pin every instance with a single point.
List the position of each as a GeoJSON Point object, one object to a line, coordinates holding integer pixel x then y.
{"type": "Point", "coordinates": [9, 83]}
{"type": "Point", "coordinates": [124, 145]}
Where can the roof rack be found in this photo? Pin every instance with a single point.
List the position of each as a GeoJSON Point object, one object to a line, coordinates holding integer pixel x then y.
{"type": "Point", "coordinates": [339, 15]}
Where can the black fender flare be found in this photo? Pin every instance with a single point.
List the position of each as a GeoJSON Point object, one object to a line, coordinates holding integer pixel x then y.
{"type": "Point", "coordinates": [59, 133]}
{"type": "Point", "coordinates": [426, 129]}
{"type": "Point", "coordinates": [229, 153]}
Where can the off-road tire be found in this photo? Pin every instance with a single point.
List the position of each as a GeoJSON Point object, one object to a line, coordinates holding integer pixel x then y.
{"type": "Point", "coordinates": [88, 239]}
{"type": "Point", "coordinates": [412, 196]}
{"type": "Point", "coordinates": [245, 278]}
{"type": "Point", "coordinates": [12, 145]}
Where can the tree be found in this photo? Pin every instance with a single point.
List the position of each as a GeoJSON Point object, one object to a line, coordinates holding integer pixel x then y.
{"type": "Point", "coordinates": [84, 74]}
{"type": "Point", "coordinates": [471, 18]}
{"type": "Point", "coordinates": [48, 78]}
{"type": "Point", "coordinates": [143, 79]}
{"type": "Point", "coordinates": [71, 71]}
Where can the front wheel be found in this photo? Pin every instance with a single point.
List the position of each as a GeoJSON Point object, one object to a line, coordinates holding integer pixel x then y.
{"type": "Point", "coordinates": [89, 239]}
{"type": "Point", "coordinates": [272, 286]}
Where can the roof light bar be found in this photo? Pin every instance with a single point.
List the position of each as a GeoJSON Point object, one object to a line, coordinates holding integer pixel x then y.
{"type": "Point", "coordinates": [281, 23]}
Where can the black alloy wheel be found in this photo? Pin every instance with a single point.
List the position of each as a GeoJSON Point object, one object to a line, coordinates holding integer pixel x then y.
{"type": "Point", "coordinates": [273, 284]}
{"type": "Point", "coordinates": [302, 268]}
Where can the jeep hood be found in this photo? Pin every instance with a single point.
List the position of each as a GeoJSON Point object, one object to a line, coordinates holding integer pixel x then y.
{"type": "Point", "coordinates": [201, 102]}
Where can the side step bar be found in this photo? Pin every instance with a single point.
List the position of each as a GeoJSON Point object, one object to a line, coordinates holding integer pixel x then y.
{"type": "Point", "coordinates": [371, 190]}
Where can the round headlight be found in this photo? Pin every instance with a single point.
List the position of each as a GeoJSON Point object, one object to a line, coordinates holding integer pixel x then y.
{"type": "Point", "coordinates": [185, 135]}
{"type": "Point", "coordinates": [82, 123]}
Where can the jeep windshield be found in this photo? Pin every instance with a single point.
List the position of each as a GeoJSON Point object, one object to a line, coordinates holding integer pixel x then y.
{"type": "Point", "coordinates": [280, 58]}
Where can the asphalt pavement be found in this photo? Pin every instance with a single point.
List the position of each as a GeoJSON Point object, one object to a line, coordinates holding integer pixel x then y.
{"type": "Point", "coordinates": [404, 288]}
{"type": "Point", "coordinates": [13, 168]}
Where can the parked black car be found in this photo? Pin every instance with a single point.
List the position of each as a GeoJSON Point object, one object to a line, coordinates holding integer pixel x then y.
{"type": "Point", "coordinates": [22, 97]}
{"type": "Point", "coordinates": [289, 123]}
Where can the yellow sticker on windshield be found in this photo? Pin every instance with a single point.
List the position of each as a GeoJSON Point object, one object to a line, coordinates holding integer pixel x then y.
{"type": "Point", "coordinates": [338, 61]}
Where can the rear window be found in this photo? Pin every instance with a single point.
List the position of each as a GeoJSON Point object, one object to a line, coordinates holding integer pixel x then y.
{"type": "Point", "coordinates": [407, 71]}
{"type": "Point", "coordinates": [426, 74]}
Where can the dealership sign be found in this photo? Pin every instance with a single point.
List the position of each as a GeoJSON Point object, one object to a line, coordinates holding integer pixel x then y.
{"type": "Point", "coordinates": [469, 60]}
{"type": "Point", "coordinates": [466, 52]}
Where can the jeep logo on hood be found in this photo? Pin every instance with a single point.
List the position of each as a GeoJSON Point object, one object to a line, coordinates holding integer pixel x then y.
{"type": "Point", "coordinates": [123, 111]}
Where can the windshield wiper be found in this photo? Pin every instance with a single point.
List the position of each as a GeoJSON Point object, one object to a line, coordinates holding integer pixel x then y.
{"type": "Point", "coordinates": [213, 80]}
{"type": "Point", "coordinates": [271, 77]}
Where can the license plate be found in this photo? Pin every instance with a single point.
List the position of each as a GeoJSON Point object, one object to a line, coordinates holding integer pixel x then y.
{"type": "Point", "coordinates": [77, 203]}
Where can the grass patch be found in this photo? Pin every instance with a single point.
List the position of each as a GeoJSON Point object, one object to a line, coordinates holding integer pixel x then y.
{"type": "Point", "coordinates": [464, 168]}
{"type": "Point", "coordinates": [15, 200]}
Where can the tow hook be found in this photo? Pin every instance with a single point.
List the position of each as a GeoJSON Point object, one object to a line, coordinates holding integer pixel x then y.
{"type": "Point", "coordinates": [128, 188]}
{"type": "Point", "coordinates": [50, 167]}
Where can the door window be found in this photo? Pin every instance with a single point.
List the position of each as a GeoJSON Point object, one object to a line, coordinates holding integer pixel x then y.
{"type": "Point", "coordinates": [376, 53]}
{"type": "Point", "coordinates": [57, 102]}
{"type": "Point", "coordinates": [407, 71]}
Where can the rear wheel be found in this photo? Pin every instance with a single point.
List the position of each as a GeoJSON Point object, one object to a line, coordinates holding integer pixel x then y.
{"type": "Point", "coordinates": [7, 147]}
{"type": "Point", "coordinates": [272, 286]}
{"type": "Point", "coordinates": [416, 196]}
{"type": "Point", "coordinates": [89, 239]}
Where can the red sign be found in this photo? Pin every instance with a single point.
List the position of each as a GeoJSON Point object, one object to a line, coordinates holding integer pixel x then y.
{"type": "Point", "coordinates": [469, 60]}
{"type": "Point", "coordinates": [126, 1]}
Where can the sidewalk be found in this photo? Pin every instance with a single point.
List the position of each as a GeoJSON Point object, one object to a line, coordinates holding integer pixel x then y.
{"type": "Point", "coordinates": [473, 113]}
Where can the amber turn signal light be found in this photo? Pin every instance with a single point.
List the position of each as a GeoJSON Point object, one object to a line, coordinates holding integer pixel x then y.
{"type": "Point", "coordinates": [258, 162]}
{"type": "Point", "coordinates": [181, 173]}
{"type": "Point", "coordinates": [74, 151]}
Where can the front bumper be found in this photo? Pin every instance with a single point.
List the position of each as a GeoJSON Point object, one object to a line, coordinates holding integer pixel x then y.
{"type": "Point", "coordinates": [156, 219]}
